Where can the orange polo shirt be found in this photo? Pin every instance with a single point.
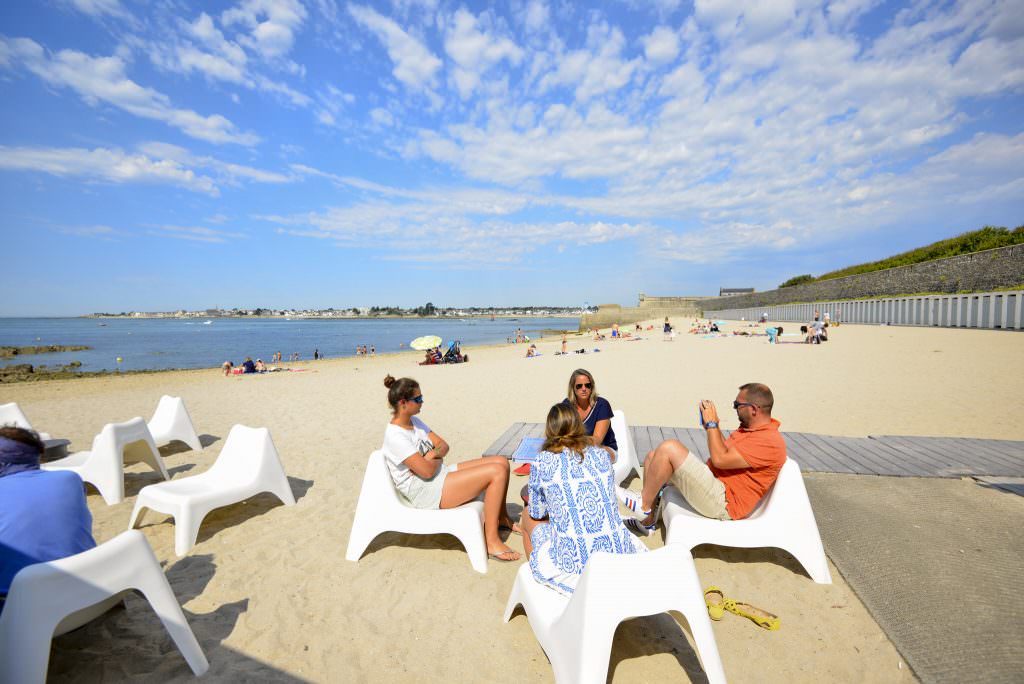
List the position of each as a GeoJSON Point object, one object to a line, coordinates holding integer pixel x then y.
{"type": "Point", "coordinates": [765, 450]}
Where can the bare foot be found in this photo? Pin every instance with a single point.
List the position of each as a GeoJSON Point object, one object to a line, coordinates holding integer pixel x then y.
{"type": "Point", "coordinates": [504, 554]}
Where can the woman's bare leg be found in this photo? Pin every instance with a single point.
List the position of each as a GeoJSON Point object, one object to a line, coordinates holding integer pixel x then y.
{"type": "Point", "coordinates": [492, 479]}
{"type": "Point", "coordinates": [528, 524]}
{"type": "Point", "coordinates": [504, 519]}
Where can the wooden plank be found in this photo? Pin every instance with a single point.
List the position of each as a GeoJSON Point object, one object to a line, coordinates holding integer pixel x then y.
{"type": "Point", "coordinates": [936, 464]}
{"type": "Point", "coordinates": [860, 462]}
{"type": "Point", "coordinates": [1008, 453]}
{"type": "Point", "coordinates": [866, 451]}
{"type": "Point", "coordinates": [946, 463]}
{"type": "Point", "coordinates": [641, 442]}
{"type": "Point", "coordinates": [907, 467]}
{"type": "Point", "coordinates": [523, 430]}
{"type": "Point", "coordinates": [824, 447]}
{"type": "Point", "coordinates": [808, 461]}
{"type": "Point", "coordinates": [498, 446]}
{"type": "Point", "coordinates": [961, 457]}
{"type": "Point", "coordinates": [802, 446]}
{"type": "Point", "coordinates": [897, 461]}
{"type": "Point", "coordinates": [696, 441]}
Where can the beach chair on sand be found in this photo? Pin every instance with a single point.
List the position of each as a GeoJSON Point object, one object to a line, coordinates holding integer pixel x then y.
{"type": "Point", "coordinates": [626, 461]}
{"type": "Point", "coordinates": [49, 599]}
{"type": "Point", "coordinates": [576, 632]}
{"type": "Point", "coordinates": [247, 465]}
{"type": "Point", "coordinates": [103, 465]}
{"type": "Point", "coordinates": [171, 422]}
{"type": "Point", "coordinates": [382, 509]}
{"type": "Point", "coordinates": [11, 414]}
{"type": "Point", "coordinates": [783, 520]}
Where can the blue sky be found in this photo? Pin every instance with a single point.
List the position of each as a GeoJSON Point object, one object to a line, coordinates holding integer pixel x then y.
{"type": "Point", "coordinates": [168, 154]}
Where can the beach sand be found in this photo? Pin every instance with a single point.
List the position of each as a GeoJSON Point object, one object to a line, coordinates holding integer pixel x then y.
{"type": "Point", "coordinates": [270, 596]}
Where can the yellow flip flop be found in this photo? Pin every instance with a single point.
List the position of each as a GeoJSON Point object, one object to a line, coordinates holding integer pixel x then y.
{"type": "Point", "coordinates": [715, 601]}
{"type": "Point", "coordinates": [761, 618]}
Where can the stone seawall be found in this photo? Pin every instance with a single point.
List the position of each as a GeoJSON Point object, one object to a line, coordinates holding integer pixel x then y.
{"type": "Point", "coordinates": [623, 315]}
{"type": "Point", "coordinates": [981, 271]}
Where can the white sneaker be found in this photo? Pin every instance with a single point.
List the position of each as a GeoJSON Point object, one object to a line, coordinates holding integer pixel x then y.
{"type": "Point", "coordinates": [632, 501]}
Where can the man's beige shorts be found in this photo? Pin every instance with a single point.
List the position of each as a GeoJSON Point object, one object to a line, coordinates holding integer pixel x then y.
{"type": "Point", "coordinates": [700, 488]}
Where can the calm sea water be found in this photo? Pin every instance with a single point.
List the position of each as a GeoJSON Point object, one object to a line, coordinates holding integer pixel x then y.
{"type": "Point", "coordinates": [176, 343]}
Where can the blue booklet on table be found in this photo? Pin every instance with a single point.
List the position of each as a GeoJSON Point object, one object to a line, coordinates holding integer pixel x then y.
{"type": "Point", "coordinates": [528, 449]}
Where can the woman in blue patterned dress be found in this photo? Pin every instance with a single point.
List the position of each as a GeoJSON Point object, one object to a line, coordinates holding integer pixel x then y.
{"type": "Point", "coordinates": [572, 511]}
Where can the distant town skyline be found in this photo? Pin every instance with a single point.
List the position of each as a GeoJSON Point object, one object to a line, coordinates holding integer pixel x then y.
{"type": "Point", "coordinates": [155, 156]}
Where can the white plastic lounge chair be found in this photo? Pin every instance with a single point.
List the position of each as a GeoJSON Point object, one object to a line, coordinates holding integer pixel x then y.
{"type": "Point", "coordinates": [382, 509]}
{"type": "Point", "coordinates": [51, 598]}
{"type": "Point", "coordinates": [248, 465]}
{"type": "Point", "coordinates": [11, 414]}
{"type": "Point", "coordinates": [783, 520]}
{"type": "Point", "coordinates": [626, 461]}
{"type": "Point", "coordinates": [576, 632]}
{"type": "Point", "coordinates": [171, 421]}
{"type": "Point", "coordinates": [103, 465]}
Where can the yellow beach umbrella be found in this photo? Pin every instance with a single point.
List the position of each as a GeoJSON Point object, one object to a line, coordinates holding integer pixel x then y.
{"type": "Point", "coordinates": [426, 342]}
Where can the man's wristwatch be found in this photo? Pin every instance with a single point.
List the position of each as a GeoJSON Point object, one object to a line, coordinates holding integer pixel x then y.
{"type": "Point", "coordinates": [710, 424]}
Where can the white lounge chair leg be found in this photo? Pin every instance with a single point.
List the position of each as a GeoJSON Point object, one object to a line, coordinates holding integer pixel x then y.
{"type": "Point", "coordinates": [138, 512]}
{"type": "Point", "coordinates": [160, 596]}
{"type": "Point", "coordinates": [514, 599]}
{"type": "Point", "coordinates": [476, 548]}
{"type": "Point", "coordinates": [111, 492]}
{"type": "Point", "coordinates": [186, 529]}
{"type": "Point", "coordinates": [809, 553]}
{"type": "Point", "coordinates": [283, 491]}
{"type": "Point", "coordinates": [363, 532]}
{"type": "Point", "coordinates": [591, 661]}
{"type": "Point", "coordinates": [25, 652]}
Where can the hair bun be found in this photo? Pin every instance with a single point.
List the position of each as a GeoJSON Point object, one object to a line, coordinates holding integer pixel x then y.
{"type": "Point", "coordinates": [389, 380]}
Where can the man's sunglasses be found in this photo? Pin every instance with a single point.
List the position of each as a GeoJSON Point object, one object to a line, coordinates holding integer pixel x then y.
{"type": "Point", "coordinates": [581, 385]}
{"type": "Point", "coordinates": [736, 405]}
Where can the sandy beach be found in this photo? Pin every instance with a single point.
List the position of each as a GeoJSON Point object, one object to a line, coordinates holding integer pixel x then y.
{"type": "Point", "coordinates": [270, 596]}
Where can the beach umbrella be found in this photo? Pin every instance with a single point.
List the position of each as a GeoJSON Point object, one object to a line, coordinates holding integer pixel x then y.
{"type": "Point", "coordinates": [426, 342]}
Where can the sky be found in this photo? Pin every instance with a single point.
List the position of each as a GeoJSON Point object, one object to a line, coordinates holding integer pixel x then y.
{"type": "Point", "coordinates": [165, 154]}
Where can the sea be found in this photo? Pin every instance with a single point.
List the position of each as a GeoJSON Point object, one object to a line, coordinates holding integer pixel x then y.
{"type": "Point", "coordinates": [163, 343]}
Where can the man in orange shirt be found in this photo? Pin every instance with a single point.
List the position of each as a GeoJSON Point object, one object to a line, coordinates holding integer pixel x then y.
{"type": "Point", "coordinates": [733, 481]}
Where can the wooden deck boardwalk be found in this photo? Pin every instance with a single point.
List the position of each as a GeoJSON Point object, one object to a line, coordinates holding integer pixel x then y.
{"type": "Point", "coordinates": [875, 455]}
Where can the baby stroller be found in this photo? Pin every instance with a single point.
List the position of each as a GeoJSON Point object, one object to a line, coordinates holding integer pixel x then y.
{"type": "Point", "coordinates": [454, 353]}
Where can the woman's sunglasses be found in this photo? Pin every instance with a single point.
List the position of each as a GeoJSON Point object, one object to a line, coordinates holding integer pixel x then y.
{"type": "Point", "coordinates": [418, 400]}
{"type": "Point", "coordinates": [581, 385]}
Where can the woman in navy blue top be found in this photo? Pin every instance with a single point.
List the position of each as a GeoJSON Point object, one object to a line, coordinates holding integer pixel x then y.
{"type": "Point", "coordinates": [594, 411]}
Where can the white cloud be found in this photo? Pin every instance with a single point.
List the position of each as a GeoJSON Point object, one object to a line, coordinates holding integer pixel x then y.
{"type": "Point", "coordinates": [101, 164]}
{"type": "Point", "coordinates": [196, 234]}
{"type": "Point", "coordinates": [661, 45]}
{"type": "Point", "coordinates": [98, 8]}
{"type": "Point", "coordinates": [537, 16]}
{"type": "Point", "coordinates": [103, 80]}
{"type": "Point", "coordinates": [414, 64]}
{"type": "Point", "coordinates": [595, 70]}
{"type": "Point", "coordinates": [475, 50]}
{"type": "Point", "coordinates": [98, 232]}
{"type": "Point", "coordinates": [272, 24]}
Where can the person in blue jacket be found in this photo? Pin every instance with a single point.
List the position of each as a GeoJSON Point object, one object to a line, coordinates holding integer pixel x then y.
{"type": "Point", "coordinates": [594, 411]}
{"type": "Point", "coordinates": [43, 514]}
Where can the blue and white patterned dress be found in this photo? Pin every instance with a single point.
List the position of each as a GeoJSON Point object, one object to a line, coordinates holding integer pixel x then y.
{"type": "Point", "coordinates": [579, 500]}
